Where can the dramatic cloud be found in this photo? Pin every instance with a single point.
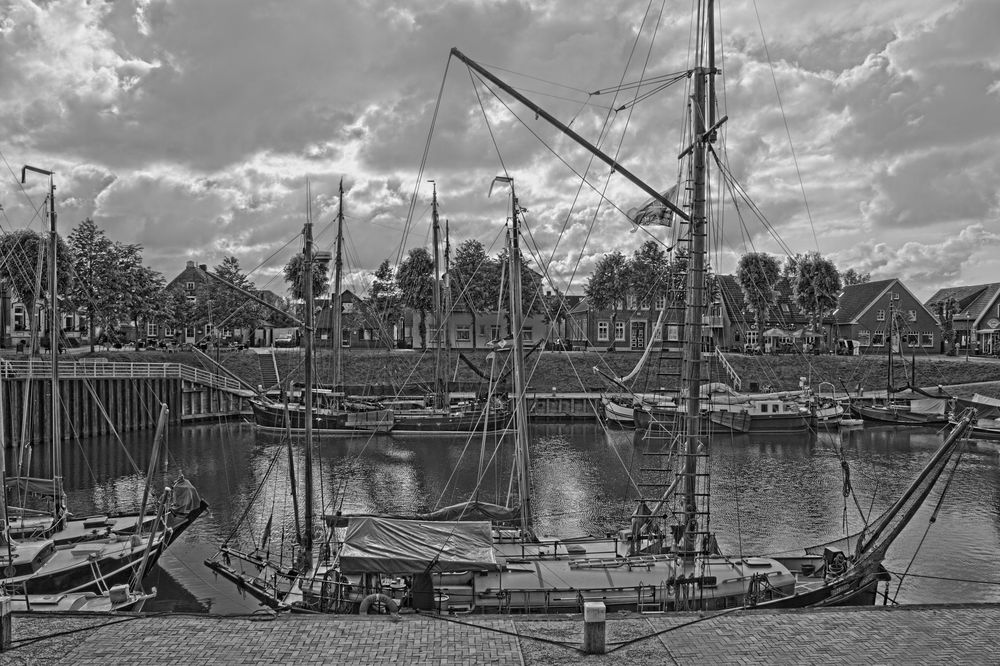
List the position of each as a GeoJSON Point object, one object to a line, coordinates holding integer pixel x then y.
{"type": "Point", "coordinates": [191, 128]}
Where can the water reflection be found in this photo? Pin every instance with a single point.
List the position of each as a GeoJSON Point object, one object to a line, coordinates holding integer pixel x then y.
{"type": "Point", "coordinates": [770, 494]}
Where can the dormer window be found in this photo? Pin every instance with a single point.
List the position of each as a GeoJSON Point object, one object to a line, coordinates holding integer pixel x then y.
{"type": "Point", "coordinates": [880, 315]}
{"type": "Point", "coordinates": [189, 286]}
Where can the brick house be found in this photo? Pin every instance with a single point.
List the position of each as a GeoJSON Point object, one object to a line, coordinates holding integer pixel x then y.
{"type": "Point", "coordinates": [866, 312]}
{"type": "Point", "coordinates": [977, 319]}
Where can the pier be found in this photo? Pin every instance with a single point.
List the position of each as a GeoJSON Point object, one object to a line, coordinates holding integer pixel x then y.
{"type": "Point", "coordinates": [961, 634]}
{"type": "Point", "coordinates": [100, 397]}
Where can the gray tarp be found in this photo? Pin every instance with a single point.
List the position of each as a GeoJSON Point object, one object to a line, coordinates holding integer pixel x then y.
{"type": "Point", "coordinates": [393, 546]}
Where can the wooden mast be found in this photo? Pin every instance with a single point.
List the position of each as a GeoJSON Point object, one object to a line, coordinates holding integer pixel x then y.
{"type": "Point", "coordinates": [439, 397]}
{"type": "Point", "coordinates": [336, 305]}
{"type": "Point", "coordinates": [307, 293]}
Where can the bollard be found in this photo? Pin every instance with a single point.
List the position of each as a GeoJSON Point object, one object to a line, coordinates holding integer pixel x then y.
{"type": "Point", "coordinates": [594, 615]}
{"type": "Point", "coordinates": [6, 635]}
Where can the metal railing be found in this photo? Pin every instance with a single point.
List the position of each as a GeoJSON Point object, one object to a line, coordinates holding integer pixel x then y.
{"type": "Point", "coordinates": [41, 369]}
{"type": "Point", "coordinates": [730, 370]}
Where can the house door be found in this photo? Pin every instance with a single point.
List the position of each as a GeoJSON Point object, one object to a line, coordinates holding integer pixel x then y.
{"type": "Point", "coordinates": [638, 338]}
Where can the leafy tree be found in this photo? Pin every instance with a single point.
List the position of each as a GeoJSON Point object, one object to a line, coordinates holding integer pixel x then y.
{"type": "Point", "coordinates": [852, 277]}
{"type": "Point", "coordinates": [648, 273]}
{"type": "Point", "coordinates": [946, 309]}
{"type": "Point", "coordinates": [143, 299]}
{"type": "Point", "coordinates": [757, 273]}
{"type": "Point", "coordinates": [230, 308]}
{"type": "Point", "coordinates": [294, 272]}
{"type": "Point", "coordinates": [608, 286]}
{"type": "Point", "coordinates": [24, 263]}
{"type": "Point", "coordinates": [816, 288]}
{"type": "Point", "coordinates": [95, 266]}
{"type": "Point", "coordinates": [475, 276]}
{"type": "Point", "coordinates": [384, 304]}
{"type": "Point", "coordinates": [415, 280]}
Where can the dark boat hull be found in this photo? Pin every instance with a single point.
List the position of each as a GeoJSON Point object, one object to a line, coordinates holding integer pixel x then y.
{"type": "Point", "coordinates": [892, 416]}
{"type": "Point", "coordinates": [273, 416]}
{"type": "Point", "coordinates": [433, 423]}
{"type": "Point", "coordinates": [725, 422]}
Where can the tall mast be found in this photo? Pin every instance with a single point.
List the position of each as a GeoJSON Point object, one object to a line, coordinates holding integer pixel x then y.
{"type": "Point", "coordinates": [338, 267]}
{"type": "Point", "coordinates": [438, 370]}
{"type": "Point", "coordinates": [447, 286]}
{"type": "Point", "coordinates": [693, 444]}
{"type": "Point", "coordinates": [307, 293]}
{"type": "Point", "coordinates": [54, 402]}
{"type": "Point", "coordinates": [521, 456]}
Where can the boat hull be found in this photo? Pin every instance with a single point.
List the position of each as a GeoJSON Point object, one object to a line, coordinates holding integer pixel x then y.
{"type": "Point", "coordinates": [617, 412]}
{"type": "Point", "coordinates": [273, 416]}
{"type": "Point", "coordinates": [725, 422]}
{"type": "Point", "coordinates": [893, 416]}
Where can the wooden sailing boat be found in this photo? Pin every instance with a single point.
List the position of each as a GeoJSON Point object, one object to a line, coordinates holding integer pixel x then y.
{"type": "Point", "coordinates": [332, 412]}
{"type": "Point", "coordinates": [909, 405]}
{"type": "Point", "coordinates": [441, 416]}
{"type": "Point", "coordinates": [49, 553]}
{"type": "Point", "coordinates": [489, 559]}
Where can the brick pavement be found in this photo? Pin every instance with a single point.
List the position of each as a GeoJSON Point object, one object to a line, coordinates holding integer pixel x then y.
{"type": "Point", "coordinates": [968, 634]}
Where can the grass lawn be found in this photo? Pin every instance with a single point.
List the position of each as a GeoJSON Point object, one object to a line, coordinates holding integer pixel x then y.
{"type": "Point", "coordinates": [571, 372]}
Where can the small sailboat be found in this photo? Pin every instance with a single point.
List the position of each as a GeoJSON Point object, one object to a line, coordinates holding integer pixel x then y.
{"type": "Point", "coordinates": [47, 551]}
{"type": "Point", "coordinates": [332, 413]}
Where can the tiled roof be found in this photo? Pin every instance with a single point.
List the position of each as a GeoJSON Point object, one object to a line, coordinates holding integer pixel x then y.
{"type": "Point", "coordinates": [973, 300]}
{"type": "Point", "coordinates": [785, 313]}
{"type": "Point", "coordinates": [856, 298]}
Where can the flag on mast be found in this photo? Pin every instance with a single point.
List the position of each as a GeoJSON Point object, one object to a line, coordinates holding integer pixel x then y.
{"type": "Point", "coordinates": [653, 212]}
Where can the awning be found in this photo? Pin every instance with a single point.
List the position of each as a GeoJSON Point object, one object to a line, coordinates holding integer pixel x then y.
{"type": "Point", "coordinates": [394, 546]}
{"type": "Point", "coordinates": [776, 333]}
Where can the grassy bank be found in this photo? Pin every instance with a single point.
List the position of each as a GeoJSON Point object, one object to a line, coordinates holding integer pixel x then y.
{"type": "Point", "coordinates": [574, 371]}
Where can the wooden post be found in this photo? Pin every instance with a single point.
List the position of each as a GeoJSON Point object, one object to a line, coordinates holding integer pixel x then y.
{"type": "Point", "coordinates": [594, 615]}
{"type": "Point", "coordinates": [5, 630]}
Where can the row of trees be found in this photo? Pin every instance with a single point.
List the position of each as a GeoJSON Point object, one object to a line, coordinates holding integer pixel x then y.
{"type": "Point", "coordinates": [650, 274]}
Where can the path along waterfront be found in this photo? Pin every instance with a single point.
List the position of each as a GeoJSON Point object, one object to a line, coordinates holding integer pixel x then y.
{"type": "Point", "coordinates": [953, 634]}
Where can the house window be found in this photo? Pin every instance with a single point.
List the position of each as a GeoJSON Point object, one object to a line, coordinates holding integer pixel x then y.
{"type": "Point", "coordinates": [878, 339]}
{"type": "Point", "coordinates": [191, 299]}
{"type": "Point", "coordinates": [494, 332]}
{"type": "Point", "coordinates": [864, 337]}
{"type": "Point", "coordinates": [661, 301]}
{"type": "Point", "coordinates": [151, 330]}
{"type": "Point", "coordinates": [189, 286]}
{"type": "Point", "coordinates": [168, 331]}
{"type": "Point", "coordinates": [911, 315]}
{"type": "Point", "coordinates": [673, 332]}
{"type": "Point", "coordinates": [631, 302]}
{"type": "Point", "coordinates": [880, 315]}
{"type": "Point", "coordinates": [19, 318]}
{"type": "Point", "coordinates": [345, 337]}
{"type": "Point", "coordinates": [751, 337]}
{"type": "Point", "coordinates": [463, 333]}
{"type": "Point", "coordinates": [619, 331]}
{"type": "Point", "coordinates": [912, 339]}
{"type": "Point", "coordinates": [927, 339]}
{"type": "Point", "coordinates": [894, 296]}
{"type": "Point", "coordinates": [526, 334]}
{"type": "Point", "coordinates": [208, 329]}
{"type": "Point", "coordinates": [602, 331]}
{"type": "Point", "coordinates": [189, 332]}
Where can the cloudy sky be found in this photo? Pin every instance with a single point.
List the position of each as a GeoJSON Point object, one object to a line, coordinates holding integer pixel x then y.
{"type": "Point", "coordinates": [191, 126]}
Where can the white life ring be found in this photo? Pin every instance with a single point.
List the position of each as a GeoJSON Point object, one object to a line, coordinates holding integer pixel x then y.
{"type": "Point", "coordinates": [378, 604]}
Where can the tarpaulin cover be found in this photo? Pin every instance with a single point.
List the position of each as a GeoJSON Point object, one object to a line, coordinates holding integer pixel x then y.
{"type": "Point", "coordinates": [476, 510]}
{"type": "Point", "coordinates": [186, 497]}
{"type": "Point", "coordinates": [33, 485]}
{"type": "Point", "coordinates": [393, 546]}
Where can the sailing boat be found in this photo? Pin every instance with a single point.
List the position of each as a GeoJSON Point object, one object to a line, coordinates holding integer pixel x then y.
{"type": "Point", "coordinates": [335, 413]}
{"type": "Point", "coordinates": [441, 416]}
{"type": "Point", "coordinates": [489, 559]}
{"type": "Point", "coordinates": [909, 405]}
{"type": "Point", "coordinates": [49, 553]}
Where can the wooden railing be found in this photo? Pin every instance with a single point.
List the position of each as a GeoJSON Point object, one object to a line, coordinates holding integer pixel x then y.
{"type": "Point", "coordinates": [41, 369]}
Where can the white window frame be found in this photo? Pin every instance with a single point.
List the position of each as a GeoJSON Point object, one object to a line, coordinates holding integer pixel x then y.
{"type": "Point", "coordinates": [620, 331]}
{"type": "Point", "coordinates": [526, 334]}
{"type": "Point", "coordinates": [880, 315]}
{"type": "Point", "coordinates": [189, 286]}
{"type": "Point", "coordinates": [463, 333]}
{"type": "Point", "coordinates": [878, 338]}
{"type": "Point", "coordinates": [151, 330]}
{"type": "Point", "coordinates": [926, 339]}
{"type": "Point", "coordinates": [603, 331]}
{"type": "Point", "coordinates": [661, 302]}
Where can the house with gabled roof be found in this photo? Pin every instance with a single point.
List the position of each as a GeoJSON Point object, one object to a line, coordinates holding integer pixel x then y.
{"type": "Point", "coordinates": [866, 313]}
{"type": "Point", "coordinates": [977, 315]}
{"type": "Point", "coordinates": [739, 327]}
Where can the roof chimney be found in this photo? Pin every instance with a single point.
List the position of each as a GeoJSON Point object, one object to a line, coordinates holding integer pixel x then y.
{"type": "Point", "coordinates": [203, 267]}
{"type": "Point", "coordinates": [190, 264]}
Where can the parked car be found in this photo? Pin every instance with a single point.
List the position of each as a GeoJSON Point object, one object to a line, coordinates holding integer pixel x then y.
{"type": "Point", "coordinates": [284, 340]}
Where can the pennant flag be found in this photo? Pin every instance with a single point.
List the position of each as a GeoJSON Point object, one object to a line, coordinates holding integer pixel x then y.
{"type": "Point", "coordinates": [653, 212]}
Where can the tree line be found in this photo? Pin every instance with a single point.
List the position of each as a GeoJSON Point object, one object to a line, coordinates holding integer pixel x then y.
{"type": "Point", "coordinates": [651, 276]}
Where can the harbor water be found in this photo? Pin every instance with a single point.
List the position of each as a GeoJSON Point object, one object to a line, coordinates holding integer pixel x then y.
{"type": "Point", "coordinates": [769, 494]}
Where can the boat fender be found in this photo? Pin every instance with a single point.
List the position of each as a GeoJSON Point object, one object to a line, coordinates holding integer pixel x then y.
{"type": "Point", "coordinates": [378, 604]}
